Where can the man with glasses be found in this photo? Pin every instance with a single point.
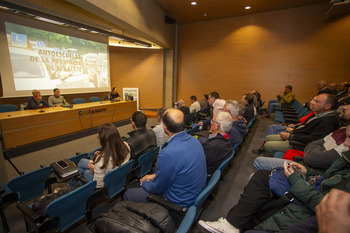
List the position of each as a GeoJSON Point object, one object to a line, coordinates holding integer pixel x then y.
{"type": "Point", "coordinates": [217, 147]}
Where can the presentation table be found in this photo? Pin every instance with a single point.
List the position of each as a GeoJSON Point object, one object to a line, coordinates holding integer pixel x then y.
{"type": "Point", "coordinates": [23, 127]}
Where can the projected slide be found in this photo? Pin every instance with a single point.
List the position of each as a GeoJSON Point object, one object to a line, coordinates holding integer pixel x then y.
{"type": "Point", "coordinates": [44, 60]}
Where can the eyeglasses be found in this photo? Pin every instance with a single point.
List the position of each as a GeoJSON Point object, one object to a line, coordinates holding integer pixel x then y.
{"type": "Point", "coordinates": [215, 122]}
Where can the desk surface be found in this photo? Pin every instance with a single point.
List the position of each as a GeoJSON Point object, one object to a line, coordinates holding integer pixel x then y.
{"type": "Point", "coordinates": [23, 127]}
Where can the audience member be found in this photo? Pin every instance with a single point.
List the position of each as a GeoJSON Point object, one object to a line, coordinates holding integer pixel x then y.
{"type": "Point", "coordinates": [333, 212]}
{"type": "Point", "coordinates": [195, 106]}
{"type": "Point", "coordinates": [286, 97]}
{"type": "Point", "coordinates": [257, 197]}
{"type": "Point", "coordinates": [141, 140]}
{"type": "Point", "coordinates": [37, 101]}
{"type": "Point", "coordinates": [343, 90]}
{"type": "Point", "coordinates": [217, 147]}
{"type": "Point", "coordinates": [217, 105]}
{"type": "Point", "coordinates": [113, 95]}
{"type": "Point", "coordinates": [319, 154]}
{"type": "Point", "coordinates": [182, 107]}
{"type": "Point", "coordinates": [238, 126]}
{"type": "Point", "coordinates": [180, 170]}
{"type": "Point", "coordinates": [250, 110]}
{"type": "Point", "coordinates": [56, 100]}
{"type": "Point", "coordinates": [158, 130]}
{"type": "Point", "coordinates": [216, 102]}
{"type": "Point", "coordinates": [333, 87]}
{"type": "Point", "coordinates": [114, 153]}
{"type": "Point", "coordinates": [279, 128]}
{"type": "Point", "coordinates": [204, 102]}
{"type": "Point", "coordinates": [322, 87]}
{"type": "Point", "coordinates": [324, 121]}
{"type": "Point", "coordinates": [258, 97]}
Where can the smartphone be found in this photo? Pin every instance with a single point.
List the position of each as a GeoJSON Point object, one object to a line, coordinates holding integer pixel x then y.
{"type": "Point", "coordinates": [62, 164]}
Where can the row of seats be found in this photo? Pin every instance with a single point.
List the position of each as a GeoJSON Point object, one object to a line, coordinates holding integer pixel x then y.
{"type": "Point", "coordinates": [292, 113]}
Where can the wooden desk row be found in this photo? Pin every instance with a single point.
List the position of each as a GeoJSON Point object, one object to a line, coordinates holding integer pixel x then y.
{"type": "Point", "coordinates": [20, 128]}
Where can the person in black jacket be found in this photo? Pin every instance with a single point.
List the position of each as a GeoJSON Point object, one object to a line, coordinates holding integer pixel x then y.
{"type": "Point", "coordinates": [37, 101]}
{"type": "Point", "coordinates": [217, 147]}
{"type": "Point", "coordinates": [324, 121]}
{"type": "Point", "coordinates": [250, 111]}
{"type": "Point", "coordinates": [141, 140]}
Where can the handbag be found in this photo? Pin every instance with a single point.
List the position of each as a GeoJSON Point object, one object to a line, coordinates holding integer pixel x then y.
{"type": "Point", "coordinates": [279, 184]}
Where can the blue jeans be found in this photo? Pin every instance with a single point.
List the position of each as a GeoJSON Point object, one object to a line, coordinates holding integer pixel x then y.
{"type": "Point", "coordinates": [275, 129]}
{"type": "Point", "coordinates": [272, 105]}
{"type": "Point", "coordinates": [136, 194]}
{"type": "Point", "coordinates": [267, 163]}
{"type": "Point", "coordinates": [84, 171]}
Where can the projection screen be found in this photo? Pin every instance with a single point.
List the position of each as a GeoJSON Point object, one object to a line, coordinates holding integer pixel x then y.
{"type": "Point", "coordinates": [43, 56]}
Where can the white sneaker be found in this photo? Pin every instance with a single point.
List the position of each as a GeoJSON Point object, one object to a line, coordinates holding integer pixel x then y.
{"type": "Point", "coordinates": [220, 226]}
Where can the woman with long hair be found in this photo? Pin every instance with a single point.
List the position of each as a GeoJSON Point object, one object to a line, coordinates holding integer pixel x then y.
{"type": "Point", "coordinates": [114, 153]}
{"type": "Point", "coordinates": [113, 95]}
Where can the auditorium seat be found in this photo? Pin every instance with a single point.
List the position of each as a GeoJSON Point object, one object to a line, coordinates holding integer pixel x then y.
{"type": "Point", "coordinates": [94, 99]}
{"type": "Point", "coordinates": [8, 108]}
{"type": "Point", "coordinates": [79, 101]}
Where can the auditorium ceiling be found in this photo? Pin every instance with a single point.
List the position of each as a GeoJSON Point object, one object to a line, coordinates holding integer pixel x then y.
{"type": "Point", "coordinates": [184, 12]}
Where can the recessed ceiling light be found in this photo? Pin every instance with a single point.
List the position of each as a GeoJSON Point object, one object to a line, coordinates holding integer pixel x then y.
{"type": "Point", "coordinates": [205, 14]}
{"type": "Point", "coordinates": [193, 3]}
{"type": "Point", "coordinates": [247, 7]}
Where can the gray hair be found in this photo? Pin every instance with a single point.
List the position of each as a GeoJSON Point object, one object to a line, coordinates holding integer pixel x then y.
{"type": "Point", "coordinates": [233, 107]}
{"type": "Point", "coordinates": [180, 102]}
{"type": "Point", "coordinates": [225, 121]}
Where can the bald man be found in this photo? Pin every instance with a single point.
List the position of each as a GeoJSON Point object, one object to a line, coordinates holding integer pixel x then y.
{"type": "Point", "coordinates": [181, 171]}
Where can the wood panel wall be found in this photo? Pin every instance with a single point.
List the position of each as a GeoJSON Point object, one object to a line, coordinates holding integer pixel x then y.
{"type": "Point", "coordinates": [264, 51]}
{"type": "Point", "coordinates": [139, 68]}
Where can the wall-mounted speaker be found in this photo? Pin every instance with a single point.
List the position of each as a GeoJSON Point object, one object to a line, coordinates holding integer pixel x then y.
{"type": "Point", "coordinates": [169, 20]}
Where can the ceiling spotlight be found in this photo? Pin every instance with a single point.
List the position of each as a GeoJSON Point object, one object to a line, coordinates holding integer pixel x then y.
{"type": "Point", "coordinates": [247, 7]}
{"type": "Point", "coordinates": [205, 14]}
{"type": "Point", "coordinates": [193, 3]}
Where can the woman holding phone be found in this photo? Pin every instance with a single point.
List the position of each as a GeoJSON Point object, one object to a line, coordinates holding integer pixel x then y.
{"type": "Point", "coordinates": [114, 153]}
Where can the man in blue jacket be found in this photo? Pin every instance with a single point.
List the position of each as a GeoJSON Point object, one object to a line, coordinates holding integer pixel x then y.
{"type": "Point", "coordinates": [181, 172]}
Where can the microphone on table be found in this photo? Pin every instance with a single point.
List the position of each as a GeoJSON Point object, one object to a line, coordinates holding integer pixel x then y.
{"type": "Point", "coordinates": [41, 109]}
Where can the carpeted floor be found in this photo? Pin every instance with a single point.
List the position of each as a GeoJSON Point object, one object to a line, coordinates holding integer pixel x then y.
{"type": "Point", "coordinates": [225, 194]}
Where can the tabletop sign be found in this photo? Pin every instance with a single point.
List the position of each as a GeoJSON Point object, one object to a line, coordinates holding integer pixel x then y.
{"type": "Point", "coordinates": [89, 111]}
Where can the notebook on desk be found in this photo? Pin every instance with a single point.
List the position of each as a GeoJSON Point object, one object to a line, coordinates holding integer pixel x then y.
{"type": "Point", "coordinates": [64, 168]}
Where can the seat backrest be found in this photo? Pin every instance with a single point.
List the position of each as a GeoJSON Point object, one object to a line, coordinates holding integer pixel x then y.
{"type": "Point", "coordinates": [189, 118]}
{"type": "Point", "coordinates": [71, 208]}
{"type": "Point", "coordinates": [145, 161]}
{"type": "Point", "coordinates": [187, 221]}
{"type": "Point", "coordinates": [94, 99]}
{"type": "Point", "coordinates": [205, 193]}
{"type": "Point", "coordinates": [8, 108]}
{"type": "Point", "coordinates": [115, 180]}
{"type": "Point", "coordinates": [225, 163]}
{"type": "Point", "coordinates": [30, 185]}
{"type": "Point", "coordinates": [79, 101]}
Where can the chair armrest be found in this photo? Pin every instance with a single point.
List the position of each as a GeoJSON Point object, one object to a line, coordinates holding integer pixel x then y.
{"type": "Point", "coordinates": [28, 212]}
{"type": "Point", "coordinates": [167, 204]}
{"type": "Point", "coordinates": [9, 198]}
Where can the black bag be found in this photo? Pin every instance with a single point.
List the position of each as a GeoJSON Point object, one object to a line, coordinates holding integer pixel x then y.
{"type": "Point", "coordinates": [39, 205]}
{"type": "Point", "coordinates": [135, 217]}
